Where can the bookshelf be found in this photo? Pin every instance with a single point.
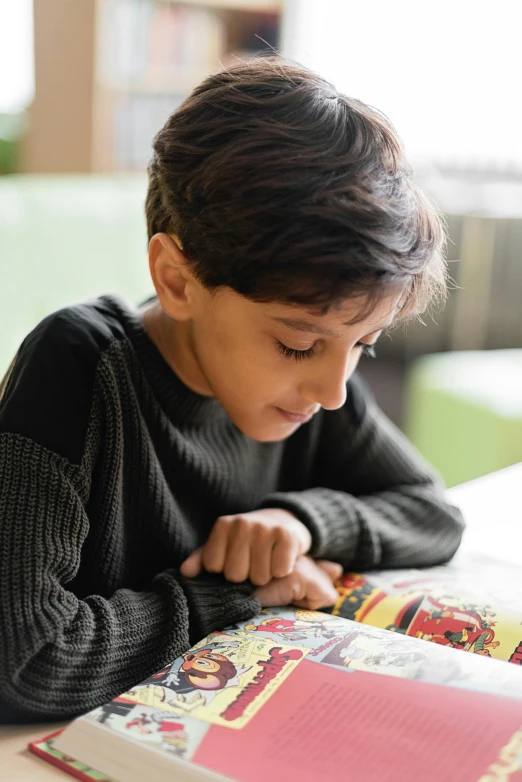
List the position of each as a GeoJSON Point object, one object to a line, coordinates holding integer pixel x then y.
{"type": "Point", "coordinates": [109, 72]}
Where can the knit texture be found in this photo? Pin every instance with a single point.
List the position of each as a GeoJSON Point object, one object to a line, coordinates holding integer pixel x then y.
{"type": "Point", "coordinates": [112, 472]}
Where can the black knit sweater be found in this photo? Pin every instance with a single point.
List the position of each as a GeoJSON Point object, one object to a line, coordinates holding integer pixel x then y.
{"type": "Point", "coordinates": [112, 472]}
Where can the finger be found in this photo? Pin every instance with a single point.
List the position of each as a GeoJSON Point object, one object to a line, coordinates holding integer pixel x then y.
{"type": "Point", "coordinates": [215, 549]}
{"type": "Point", "coordinates": [284, 554]}
{"type": "Point", "coordinates": [237, 559]}
{"type": "Point", "coordinates": [192, 565]}
{"type": "Point", "coordinates": [332, 569]}
{"type": "Point", "coordinates": [261, 550]}
{"type": "Point", "coordinates": [320, 591]}
{"type": "Point", "coordinates": [303, 604]}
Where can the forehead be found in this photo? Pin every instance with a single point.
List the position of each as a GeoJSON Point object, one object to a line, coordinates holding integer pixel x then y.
{"type": "Point", "coordinates": [355, 314]}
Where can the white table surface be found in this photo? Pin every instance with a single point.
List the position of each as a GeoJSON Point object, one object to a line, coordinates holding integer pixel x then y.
{"type": "Point", "coordinates": [492, 506]}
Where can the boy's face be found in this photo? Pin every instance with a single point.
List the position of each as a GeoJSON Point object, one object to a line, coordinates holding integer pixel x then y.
{"type": "Point", "coordinates": [271, 366]}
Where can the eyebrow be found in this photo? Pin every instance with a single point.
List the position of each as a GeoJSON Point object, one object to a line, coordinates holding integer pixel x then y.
{"type": "Point", "coordinates": [314, 328]}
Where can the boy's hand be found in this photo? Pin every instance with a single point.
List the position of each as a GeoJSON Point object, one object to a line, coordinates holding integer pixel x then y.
{"type": "Point", "coordinates": [260, 545]}
{"type": "Point", "coordinates": [309, 586]}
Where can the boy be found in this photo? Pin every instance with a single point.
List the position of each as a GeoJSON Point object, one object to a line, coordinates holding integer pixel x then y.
{"type": "Point", "coordinates": [168, 471]}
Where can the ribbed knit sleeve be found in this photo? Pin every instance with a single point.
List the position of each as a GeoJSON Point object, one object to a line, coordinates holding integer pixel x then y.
{"type": "Point", "coordinates": [60, 655]}
{"type": "Point", "coordinates": [373, 501]}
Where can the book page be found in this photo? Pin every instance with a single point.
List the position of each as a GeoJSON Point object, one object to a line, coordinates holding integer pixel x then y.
{"type": "Point", "coordinates": [321, 724]}
{"type": "Point", "coordinates": [474, 605]}
{"type": "Point", "coordinates": [354, 646]}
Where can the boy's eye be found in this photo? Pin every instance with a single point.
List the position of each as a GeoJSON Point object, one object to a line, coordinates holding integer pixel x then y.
{"type": "Point", "coordinates": [298, 355]}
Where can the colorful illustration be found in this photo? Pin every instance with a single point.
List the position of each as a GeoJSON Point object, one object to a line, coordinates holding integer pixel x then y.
{"type": "Point", "coordinates": [468, 627]}
{"type": "Point", "coordinates": [224, 680]}
{"type": "Point", "coordinates": [233, 680]}
{"type": "Point", "coordinates": [353, 646]}
{"type": "Point", "coordinates": [433, 606]}
{"type": "Point", "coordinates": [162, 728]}
{"type": "Point", "coordinates": [294, 624]}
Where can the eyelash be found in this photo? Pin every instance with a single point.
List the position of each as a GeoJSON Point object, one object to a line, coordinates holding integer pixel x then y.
{"type": "Point", "coordinates": [300, 355]}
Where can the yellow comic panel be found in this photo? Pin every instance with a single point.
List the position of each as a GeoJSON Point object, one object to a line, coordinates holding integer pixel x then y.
{"type": "Point", "coordinates": [224, 679]}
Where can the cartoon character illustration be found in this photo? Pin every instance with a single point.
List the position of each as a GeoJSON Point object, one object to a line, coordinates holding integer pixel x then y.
{"type": "Point", "coordinates": [209, 686]}
{"type": "Point", "coordinates": [304, 625]}
{"type": "Point", "coordinates": [173, 736]}
{"type": "Point", "coordinates": [141, 722]}
{"type": "Point", "coordinates": [199, 675]}
{"type": "Point", "coordinates": [471, 630]}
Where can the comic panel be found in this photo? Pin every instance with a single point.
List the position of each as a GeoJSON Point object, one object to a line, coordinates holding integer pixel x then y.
{"type": "Point", "coordinates": [313, 630]}
{"type": "Point", "coordinates": [168, 729]}
{"type": "Point", "coordinates": [376, 651]}
{"type": "Point", "coordinates": [429, 606]}
{"type": "Point", "coordinates": [469, 626]}
{"type": "Point", "coordinates": [224, 679]}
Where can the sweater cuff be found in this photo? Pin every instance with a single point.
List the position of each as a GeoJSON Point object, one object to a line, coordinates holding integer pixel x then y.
{"type": "Point", "coordinates": [330, 516]}
{"type": "Point", "coordinates": [215, 603]}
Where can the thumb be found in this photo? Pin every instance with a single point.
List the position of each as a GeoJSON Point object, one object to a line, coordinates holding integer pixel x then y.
{"type": "Point", "coordinates": [332, 569]}
{"type": "Point", "coordinates": [192, 566]}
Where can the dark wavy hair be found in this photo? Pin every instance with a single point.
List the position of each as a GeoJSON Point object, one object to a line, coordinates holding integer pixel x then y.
{"type": "Point", "coordinates": [285, 190]}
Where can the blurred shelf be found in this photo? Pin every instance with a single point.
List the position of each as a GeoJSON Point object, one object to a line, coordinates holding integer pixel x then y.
{"type": "Point", "coordinates": [268, 6]}
{"type": "Point", "coordinates": [155, 84]}
{"type": "Point", "coordinates": [113, 70]}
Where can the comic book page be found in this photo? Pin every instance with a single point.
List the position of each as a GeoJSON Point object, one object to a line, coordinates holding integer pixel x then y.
{"type": "Point", "coordinates": [295, 689]}
{"type": "Point", "coordinates": [224, 680]}
{"type": "Point", "coordinates": [352, 646]}
{"type": "Point", "coordinates": [474, 604]}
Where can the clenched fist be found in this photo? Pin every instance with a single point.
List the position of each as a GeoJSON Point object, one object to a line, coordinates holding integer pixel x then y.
{"type": "Point", "coordinates": [260, 545]}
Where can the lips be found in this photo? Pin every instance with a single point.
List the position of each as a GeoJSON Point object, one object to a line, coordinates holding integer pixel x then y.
{"type": "Point", "coordinates": [296, 418]}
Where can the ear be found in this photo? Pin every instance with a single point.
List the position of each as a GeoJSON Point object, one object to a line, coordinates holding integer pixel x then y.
{"type": "Point", "coordinates": [171, 275]}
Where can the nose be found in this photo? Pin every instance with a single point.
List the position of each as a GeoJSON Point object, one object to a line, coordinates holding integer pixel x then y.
{"type": "Point", "coordinates": [325, 383]}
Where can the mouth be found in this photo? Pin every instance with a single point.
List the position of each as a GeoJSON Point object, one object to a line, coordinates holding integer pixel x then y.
{"type": "Point", "coordinates": [296, 418]}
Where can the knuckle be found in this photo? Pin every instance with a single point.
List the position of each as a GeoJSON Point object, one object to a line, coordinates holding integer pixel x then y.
{"type": "Point", "coordinates": [240, 525]}
{"type": "Point", "coordinates": [285, 537]}
{"type": "Point", "coordinates": [263, 533]}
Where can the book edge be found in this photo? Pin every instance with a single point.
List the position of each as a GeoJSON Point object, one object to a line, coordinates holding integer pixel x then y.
{"type": "Point", "coordinates": [82, 727]}
{"type": "Point", "coordinates": [61, 764]}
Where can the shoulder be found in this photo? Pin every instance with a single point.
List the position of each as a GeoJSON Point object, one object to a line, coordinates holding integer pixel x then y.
{"type": "Point", "coordinates": [48, 393]}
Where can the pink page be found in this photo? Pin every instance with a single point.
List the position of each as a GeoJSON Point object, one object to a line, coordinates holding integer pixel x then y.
{"type": "Point", "coordinates": [325, 724]}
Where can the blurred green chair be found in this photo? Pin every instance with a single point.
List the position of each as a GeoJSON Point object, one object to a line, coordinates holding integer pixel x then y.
{"type": "Point", "coordinates": [465, 411]}
{"type": "Point", "coordinates": [63, 239]}
{"type": "Point", "coordinates": [12, 132]}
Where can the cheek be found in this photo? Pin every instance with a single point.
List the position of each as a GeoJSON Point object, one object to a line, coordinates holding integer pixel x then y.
{"type": "Point", "coordinates": [352, 363]}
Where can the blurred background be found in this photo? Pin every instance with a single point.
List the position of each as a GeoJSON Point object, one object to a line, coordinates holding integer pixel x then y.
{"type": "Point", "coordinates": [85, 84]}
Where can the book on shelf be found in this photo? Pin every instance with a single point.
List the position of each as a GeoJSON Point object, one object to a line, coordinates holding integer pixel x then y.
{"type": "Point", "coordinates": [150, 56]}
{"type": "Point", "coordinates": [146, 44]}
{"type": "Point", "coordinates": [377, 689]}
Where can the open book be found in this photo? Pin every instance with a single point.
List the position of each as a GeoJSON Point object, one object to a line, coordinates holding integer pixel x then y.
{"type": "Point", "coordinates": [308, 696]}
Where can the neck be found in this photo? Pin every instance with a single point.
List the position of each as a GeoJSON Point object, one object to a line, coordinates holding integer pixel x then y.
{"type": "Point", "coordinates": [174, 340]}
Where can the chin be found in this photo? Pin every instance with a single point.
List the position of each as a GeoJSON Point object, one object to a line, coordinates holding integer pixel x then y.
{"type": "Point", "coordinates": [268, 434]}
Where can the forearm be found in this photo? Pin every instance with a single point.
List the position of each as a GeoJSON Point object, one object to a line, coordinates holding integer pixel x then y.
{"type": "Point", "coordinates": [61, 655]}
{"type": "Point", "coordinates": [407, 526]}
{"type": "Point", "coordinates": [98, 648]}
